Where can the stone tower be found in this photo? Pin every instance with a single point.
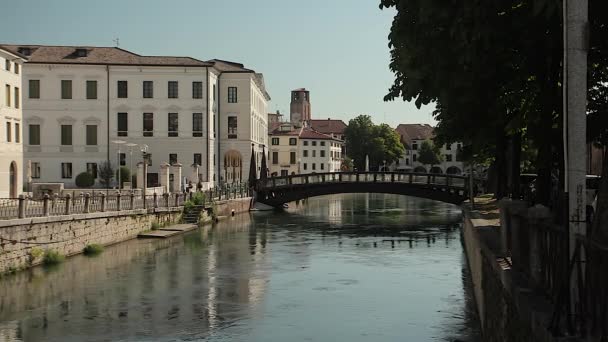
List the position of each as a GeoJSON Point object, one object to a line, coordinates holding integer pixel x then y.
{"type": "Point", "coordinates": [300, 107]}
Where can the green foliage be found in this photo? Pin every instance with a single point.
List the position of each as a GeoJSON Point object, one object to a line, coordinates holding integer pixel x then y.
{"type": "Point", "coordinates": [106, 174]}
{"type": "Point", "coordinates": [85, 180]}
{"type": "Point", "coordinates": [347, 164]}
{"type": "Point", "coordinates": [93, 249]}
{"type": "Point", "coordinates": [379, 142]}
{"type": "Point", "coordinates": [198, 198]}
{"type": "Point", "coordinates": [155, 225]}
{"type": "Point", "coordinates": [36, 253]}
{"type": "Point", "coordinates": [52, 257]}
{"type": "Point", "coordinates": [429, 154]}
{"type": "Point", "coordinates": [125, 174]}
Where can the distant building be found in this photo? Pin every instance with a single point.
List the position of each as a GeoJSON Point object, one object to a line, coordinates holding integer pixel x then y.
{"type": "Point", "coordinates": [332, 127]}
{"type": "Point", "coordinates": [412, 136]}
{"type": "Point", "coordinates": [11, 145]}
{"type": "Point", "coordinates": [299, 110]}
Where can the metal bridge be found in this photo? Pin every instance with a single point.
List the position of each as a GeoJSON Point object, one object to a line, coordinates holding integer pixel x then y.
{"type": "Point", "coordinates": [447, 188]}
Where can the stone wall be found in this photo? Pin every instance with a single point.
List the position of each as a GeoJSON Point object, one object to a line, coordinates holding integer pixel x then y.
{"type": "Point", "coordinates": [239, 205]}
{"type": "Point", "coordinates": [24, 241]}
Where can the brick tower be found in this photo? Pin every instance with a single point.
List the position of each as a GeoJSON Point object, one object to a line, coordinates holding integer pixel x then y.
{"type": "Point", "coordinates": [300, 106]}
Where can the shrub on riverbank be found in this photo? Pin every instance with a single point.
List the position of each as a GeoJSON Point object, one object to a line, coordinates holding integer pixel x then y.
{"type": "Point", "coordinates": [52, 257]}
{"type": "Point", "coordinates": [92, 249]}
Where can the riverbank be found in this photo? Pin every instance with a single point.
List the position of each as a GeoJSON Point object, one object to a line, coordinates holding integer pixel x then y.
{"type": "Point", "coordinates": [24, 243]}
{"type": "Point", "coordinates": [508, 306]}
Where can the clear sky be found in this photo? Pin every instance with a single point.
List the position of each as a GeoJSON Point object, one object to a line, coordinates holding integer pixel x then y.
{"type": "Point", "coordinates": [337, 49]}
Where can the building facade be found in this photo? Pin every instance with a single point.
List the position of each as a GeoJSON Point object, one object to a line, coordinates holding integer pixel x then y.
{"type": "Point", "coordinates": [87, 105]}
{"type": "Point", "coordinates": [413, 136]}
{"type": "Point", "coordinates": [11, 146]}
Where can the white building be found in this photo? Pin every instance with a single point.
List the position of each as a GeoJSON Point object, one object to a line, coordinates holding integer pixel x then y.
{"type": "Point", "coordinates": [83, 104]}
{"type": "Point", "coordinates": [412, 137]}
{"type": "Point", "coordinates": [11, 151]}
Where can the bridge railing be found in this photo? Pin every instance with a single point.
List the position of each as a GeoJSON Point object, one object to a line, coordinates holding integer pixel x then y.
{"type": "Point", "coordinates": [456, 181]}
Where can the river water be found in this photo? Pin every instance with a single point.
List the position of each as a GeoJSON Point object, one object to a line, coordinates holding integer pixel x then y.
{"type": "Point", "coordinates": [356, 267]}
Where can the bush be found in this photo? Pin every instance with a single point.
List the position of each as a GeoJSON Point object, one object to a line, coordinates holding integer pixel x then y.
{"type": "Point", "coordinates": [154, 225]}
{"type": "Point", "coordinates": [92, 249]}
{"type": "Point", "coordinates": [85, 180]}
{"type": "Point", "coordinates": [52, 257]}
{"type": "Point", "coordinates": [198, 198]}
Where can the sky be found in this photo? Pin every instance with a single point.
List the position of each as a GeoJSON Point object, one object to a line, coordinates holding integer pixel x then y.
{"type": "Point", "coordinates": [337, 49]}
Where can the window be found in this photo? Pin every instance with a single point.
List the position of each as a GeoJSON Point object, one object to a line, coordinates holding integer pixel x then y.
{"type": "Point", "coordinates": [448, 146]}
{"type": "Point", "coordinates": [173, 125]}
{"type": "Point", "coordinates": [197, 125]}
{"type": "Point", "coordinates": [16, 97]}
{"type": "Point", "coordinates": [122, 89]}
{"type": "Point", "coordinates": [275, 141]}
{"type": "Point", "coordinates": [293, 141]}
{"type": "Point", "coordinates": [414, 158]}
{"type": "Point", "coordinates": [322, 166]}
{"type": "Point", "coordinates": [148, 89]}
{"type": "Point", "coordinates": [7, 65]}
{"type": "Point", "coordinates": [17, 131]}
{"type": "Point", "coordinates": [305, 153]}
{"type": "Point", "coordinates": [35, 170]}
{"type": "Point", "coordinates": [322, 143]}
{"type": "Point", "coordinates": [305, 166]}
{"type": "Point", "coordinates": [66, 135]}
{"type": "Point", "coordinates": [275, 158]}
{"type": "Point", "coordinates": [66, 89]}
{"type": "Point", "coordinates": [92, 169]}
{"type": "Point", "coordinates": [414, 146]}
{"type": "Point", "coordinates": [16, 68]}
{"type": "Point", "coordinates": [8, 132]}
{"type": "Point", "coordinates": [197, 90]}
{"type": "Point", "coordinates": [123, 125]}
{"type": "Point", "coordinates": [292, 158]}
{"type": "Point", "coordinates": [148, 124]}
{"type": "Point", "coordinates": [172, 158]}
{"type": "Point", "coordinates": [232, 95]}
{"type": "Point", "coordinates": [314, 153]}
{"type": "Point", "coordinates": [122, 159]}
{"type": "Point", "coordinates": [314, 166]}
{"type": "Point", "coordinates": [91, 90]}
{"type": "Point", "coordinates": [448, 157]}
{"type": "Point", "coordinates": [214, 92]}
{"type": "Point", "coordinates": [305, 143]}
{"type": "Point", "coordinates": [34, 135]}
{"type": "Point", "coordinates": [34, 86]}
{"type": "Point", "coordinates": [322, 153]}
{"type": "Point", "coordinates": [314, 143]}
{"type": "Point", "coordinates": [232, 127]}
{"type": "Point", "coordinates": [66, 170]}
{"type": "Point", "coordinates": [8, 95]}
{"type": "Point", "coordinates": [198, 159]}
{"type": "Point", "coordinates": [91, 138]}
{"type": "Point", "coordinates": [172, 89]}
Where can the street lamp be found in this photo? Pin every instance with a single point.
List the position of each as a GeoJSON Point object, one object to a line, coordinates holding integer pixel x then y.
{"type": "Point", "coordinates": [131, 145]}
{"type": "Point", "coordinates": [145, 155]}
{"type": "Point", "coordinates": [118, 142]}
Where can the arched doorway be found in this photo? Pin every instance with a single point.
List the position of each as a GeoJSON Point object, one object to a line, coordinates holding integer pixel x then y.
{"type": "Point", "coordinates": [12, 180]}
{"type": "Point", "coordinates": [453, 170]}
{"type": "Point", "coordinates": [420, 169]}
{"type": "Point", "coordinates": [436, 169]}
{"type": "Point", "coordinates": [233, 166]}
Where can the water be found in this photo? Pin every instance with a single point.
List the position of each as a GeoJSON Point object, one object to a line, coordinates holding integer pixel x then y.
{"type": "Point", "coordinates": [336, 268]}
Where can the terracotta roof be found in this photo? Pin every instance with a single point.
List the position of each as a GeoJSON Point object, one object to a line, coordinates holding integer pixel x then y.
{"type": "Point", "coordinates": [98, 55]}
{"type": "Point", "coordinates": [328, 126]}
{"type": "Point", "coordinates": [228, 66]}
{"type": "Point", "coordinates": [309, 133]}
{"type": "Point", "coordinates": [277, 130]}
{"type": "Point", "coordinates": [409, 132]}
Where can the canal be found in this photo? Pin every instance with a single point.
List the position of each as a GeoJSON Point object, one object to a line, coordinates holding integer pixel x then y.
{"type": "Point", "coordinates": [356, 267]}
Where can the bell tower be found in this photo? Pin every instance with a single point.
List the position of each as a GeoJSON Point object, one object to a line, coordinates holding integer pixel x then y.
{"type": "Point", "coordinates": [300, 107]}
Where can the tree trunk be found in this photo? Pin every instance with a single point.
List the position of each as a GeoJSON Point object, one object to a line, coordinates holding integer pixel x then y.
{"type": "Point", "coordinates": [600, 222]}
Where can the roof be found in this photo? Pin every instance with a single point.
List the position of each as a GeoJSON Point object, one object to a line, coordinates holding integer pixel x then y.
{"type": "Point", "coordinates": [309, 133]}
{"type": "Point", "coordinates": [328, 126]}
{"type": "Point", "coordinates": [13, 53]}
{"type": "Point", "coordinates": [300, 89]}
{"type": "Point", "coordinates": [409, 132]}
{"type": "Point", "coordinates": [277, 130]}
{"type": "Point", "coordinates": [228, 66]}
{"type": "Point", "coordinates": [98, 55]}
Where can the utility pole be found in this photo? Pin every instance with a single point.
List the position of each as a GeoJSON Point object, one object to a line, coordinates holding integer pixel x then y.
{"type": "Point", "coordinates": [576, 27]}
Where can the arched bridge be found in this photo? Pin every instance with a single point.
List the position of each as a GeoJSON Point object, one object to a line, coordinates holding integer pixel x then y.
{"type": "Point", "coordinates": [276, 191]}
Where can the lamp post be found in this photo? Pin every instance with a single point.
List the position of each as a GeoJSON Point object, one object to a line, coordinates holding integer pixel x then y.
{"type": "Point", "coordinates": [118, 142]}
{"type": "Point", "coordinates": [131, 145]}
{"type": "Point", "coordinates": [145, 155]}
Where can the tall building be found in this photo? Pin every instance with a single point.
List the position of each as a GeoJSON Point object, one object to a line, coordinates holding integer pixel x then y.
{"type": "Point", "coordinates": [11, 148]}
{"type": "Point", "coordinates": [83, 104]}
{"type": "Point", "coordinates": [300, 107]}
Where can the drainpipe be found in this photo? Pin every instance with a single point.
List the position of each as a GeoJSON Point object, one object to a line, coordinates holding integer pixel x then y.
{"type": "Point", "coordinates": [218, 132]}
{"type": "Point", "coordinates": [108, 111]}
{"type": "Point", "coordinates": [207, 125]}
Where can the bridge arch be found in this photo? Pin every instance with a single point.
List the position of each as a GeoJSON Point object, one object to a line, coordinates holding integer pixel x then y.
{"type": "Point", "coordinates": [453, 170]}
{"type": "Point", "coordinates": [420, 169]}
{"type": "Point", "coordinates": [436, 169]}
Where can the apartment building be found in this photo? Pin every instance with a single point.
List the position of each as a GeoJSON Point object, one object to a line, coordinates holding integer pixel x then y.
{"type": "Point", "coordinates": [11, 150]}
{"type": "Point", "coordinates": [86, 105]}
{"type": "Point", "coordinates": [412, 137]}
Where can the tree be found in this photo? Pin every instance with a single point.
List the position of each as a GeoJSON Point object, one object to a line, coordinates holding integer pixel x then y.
{"type": "Point", "coordinates": [380, 142]}
{"type": "Point", "coordinates": [429, 154]}
{"type": "Point", "coordinates": [84, 180]}
{"type": "Point", "coordinates": [106, 174]}
{"type": "Point", "coordinates": [347, 164]}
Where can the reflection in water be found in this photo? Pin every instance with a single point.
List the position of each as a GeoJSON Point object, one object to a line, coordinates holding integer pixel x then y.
{"type": "Point", "coordinates": [342, 268]}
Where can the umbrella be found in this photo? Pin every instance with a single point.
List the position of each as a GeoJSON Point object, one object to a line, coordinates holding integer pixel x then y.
{"type": "Point", "coordinates": [264, 171]}
{"type": "Point", "coordinates": [253, 175]}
